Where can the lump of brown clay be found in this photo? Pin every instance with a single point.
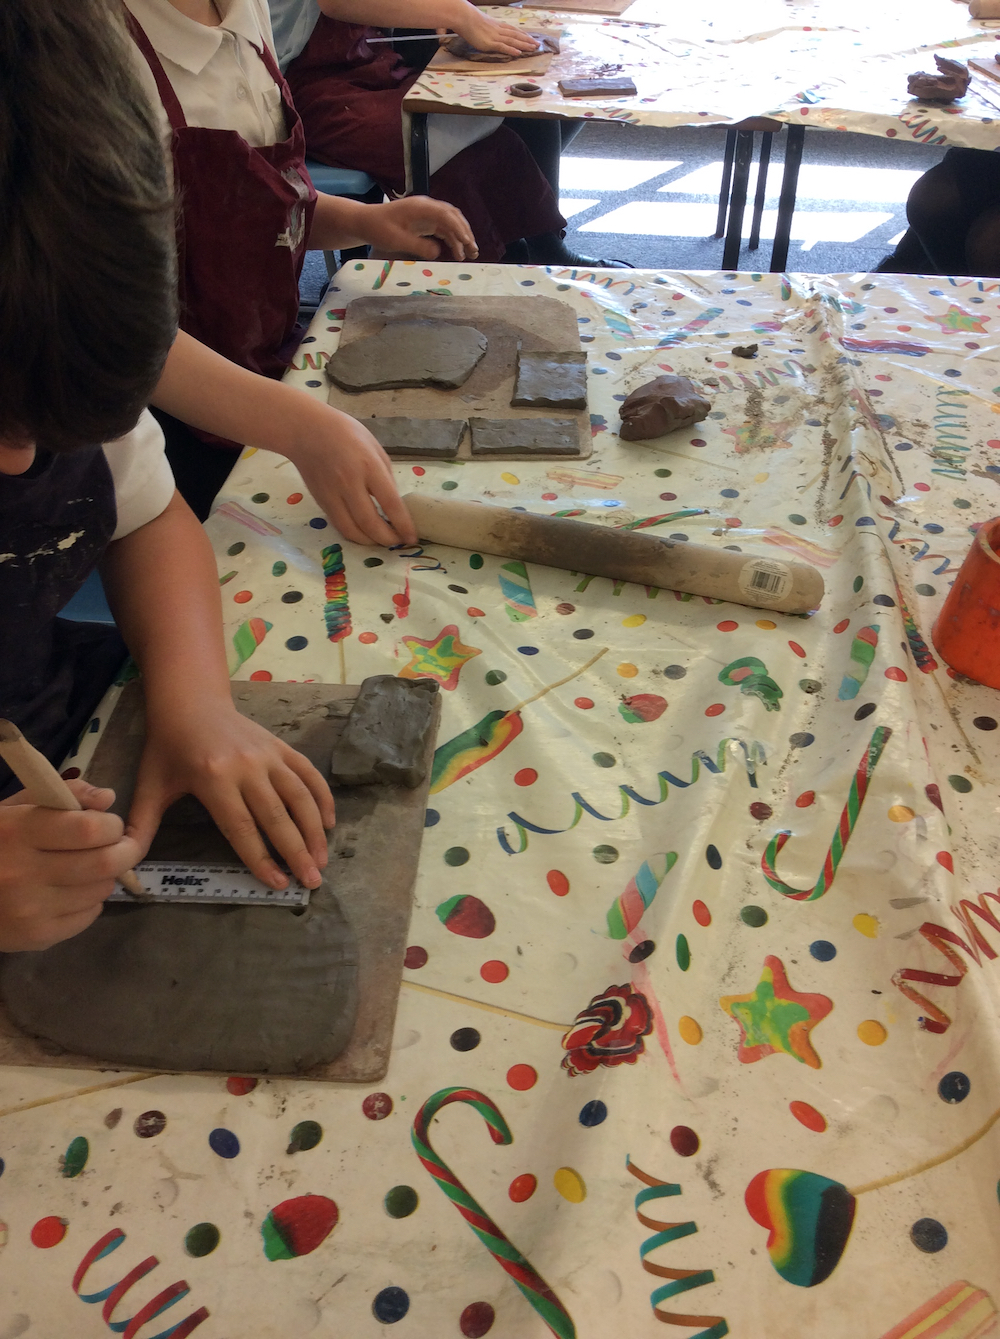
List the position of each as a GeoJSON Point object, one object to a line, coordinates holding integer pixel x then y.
{"type": "Point", "coordinates": [551, 380]}
{"type": "Point", "coordinates": [597, 88]}
{"type": "Point", "coordinates": [234, 989]}
{"type": "Point", "coordinates": [526, 436]}
{"type": "Point", "coordinates": [436, 438]}
{"type": "Point", "coordinates": [745, 350]}
{"type": "Point", "coordinates": [548, 44]}
{"type": "Point", "coordinates": [951, 82]}
{"type": "Point", "coordinates": [661, 406]}
{"type": "Point", "coordinates": [385, 737]}
{"type": "Point", "coordinates": [409, 353]}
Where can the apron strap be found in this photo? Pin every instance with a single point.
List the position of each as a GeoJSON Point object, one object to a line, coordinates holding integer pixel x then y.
{"type": "Point", "coordinates": [170, 100]}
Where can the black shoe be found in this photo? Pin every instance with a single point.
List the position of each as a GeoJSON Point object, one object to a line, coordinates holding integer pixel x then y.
{"type": "Point", "coordinates": [516, 253]}
{"type": "Point", "coordinates": [548, 248]}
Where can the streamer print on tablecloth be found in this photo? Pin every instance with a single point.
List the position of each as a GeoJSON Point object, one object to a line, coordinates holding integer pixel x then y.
{"type": "Point", "coordinates": [681, 1280]}
{"type": "Point", "coordinates": [934, 1019]}
{"type": "Point", "coordinates": [848, 818]}
{"type": "Point", "coordinates": [114, 1293]}
{"type": "Point", "coordinates": [919, 649]}
{"type": "Point", "coordinates": [752, 755]}
{"type": "Point", "coordinates": [503, 1251]}
{"type": "Point", "coordinates": [960, 1311]}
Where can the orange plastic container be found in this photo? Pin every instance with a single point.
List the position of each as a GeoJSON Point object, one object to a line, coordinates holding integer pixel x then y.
{"type": "Point", "coordinates": [967, 631]}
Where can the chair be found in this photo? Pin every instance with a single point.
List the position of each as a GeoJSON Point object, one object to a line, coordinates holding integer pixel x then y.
{"type": "Point", "coordinates": [735, 181]}
{"type": "Point", "coordinates": [352, 185]}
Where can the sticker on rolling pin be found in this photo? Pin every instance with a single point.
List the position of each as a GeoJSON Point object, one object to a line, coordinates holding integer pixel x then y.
{"type": "Point", "coordinates": [764, 581]}
{"type": "Point", "coordinates": [167, 881]}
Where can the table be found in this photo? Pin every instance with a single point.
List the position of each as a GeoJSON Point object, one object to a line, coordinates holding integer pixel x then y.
{"type": "Point", "coordinates": [640, 748]}
{"type": "Point", "coordinates": [832, 67]}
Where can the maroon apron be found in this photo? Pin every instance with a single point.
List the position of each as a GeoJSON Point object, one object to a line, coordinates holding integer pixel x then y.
{"type": "Point", "coordinates": [244, 215]}
{"type": "Point", "coordinates": [350, 97]}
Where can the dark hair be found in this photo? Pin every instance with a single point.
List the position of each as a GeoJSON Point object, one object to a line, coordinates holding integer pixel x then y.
{"type": "Point", "coordinates": [87, 249]}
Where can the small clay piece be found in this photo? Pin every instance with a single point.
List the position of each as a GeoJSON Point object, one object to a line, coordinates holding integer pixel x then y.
{"type": "Point", "coordinates": [951, 82]}
{"type": "Point", "coordinates": [661, 406]}
{"type": "Point", "coordinates": [548, 44]}
{"type": "Point", "coordinates": [551, 380]}
{"type": "Point", "coordinates": [535, 436]}
{"type": "Point", "coordinates": [408, 353]}
{"type": "Point", "coordinates": [239, 989]}
{"type": "Point", "coordinates": [385, 738]}
{"type": "Point", "coordinates": [593, 88]}
{"type": "Point", "coordinates": [745, 351]}
{"type": "Point", "coordinates": [525, 89]}
{"type": "Point", "coordinates": [436, 438]}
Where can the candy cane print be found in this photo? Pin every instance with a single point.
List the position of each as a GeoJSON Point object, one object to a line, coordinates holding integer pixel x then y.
{"type": "Point", "coordinates": [848, 818]}
{"type": "Point", "coordinates": [506, 1254]}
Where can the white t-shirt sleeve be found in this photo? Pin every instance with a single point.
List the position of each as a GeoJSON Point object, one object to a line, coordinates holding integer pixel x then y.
{"type": "Point", "coordinates": [142, 478]}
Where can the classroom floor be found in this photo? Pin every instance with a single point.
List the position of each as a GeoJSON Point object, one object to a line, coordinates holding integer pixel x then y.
{"type": "Point", "coordinates": [659, 189]}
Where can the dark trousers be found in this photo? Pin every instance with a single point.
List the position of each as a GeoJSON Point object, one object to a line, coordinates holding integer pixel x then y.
{"type": "Point", "coordinates": [199, 469]}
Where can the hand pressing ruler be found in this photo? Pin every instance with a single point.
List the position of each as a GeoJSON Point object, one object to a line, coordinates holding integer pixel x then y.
{"type": "Point", "coordinates": [166, 881]}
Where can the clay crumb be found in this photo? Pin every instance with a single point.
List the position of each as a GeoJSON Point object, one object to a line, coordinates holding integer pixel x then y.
{"type": "Point", "coordinates": [745, 351]}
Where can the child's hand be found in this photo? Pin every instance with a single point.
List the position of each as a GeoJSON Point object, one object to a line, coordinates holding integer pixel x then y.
{"type": "Point", "coordinates": [57, 867]}
{"type": "Point", "coordinates": [344, 467]}
{"type": "Point", "coordinates": [487, 34]}
{"type": "Point", "coordinates": [411, 228]}
{"type": "Point", "coordinates": [246, 778]}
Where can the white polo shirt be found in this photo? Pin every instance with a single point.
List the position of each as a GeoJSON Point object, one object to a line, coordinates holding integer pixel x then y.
{"type": "Point", "coordinates": [217, 73]}
{"type": "Point", "coordinates": [142, 478]}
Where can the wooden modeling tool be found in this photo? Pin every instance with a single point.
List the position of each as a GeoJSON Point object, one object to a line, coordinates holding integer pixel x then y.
{"type": "Point", "coordinates": [622, 555]}
{"type": "Point", "coordinates": [45, 787]}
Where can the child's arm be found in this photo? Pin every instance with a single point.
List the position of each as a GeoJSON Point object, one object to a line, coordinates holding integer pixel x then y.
{"type": "Point", "coordinates": [163, 587]}
{"type": "Point", "coordinates": [483, 33]}
{"type": "Point", "coordinates": [402, 227]}
{"type": "Point", "coordinates": [56, 868]}
{"type": "Point", "coordinates": [341, 463]}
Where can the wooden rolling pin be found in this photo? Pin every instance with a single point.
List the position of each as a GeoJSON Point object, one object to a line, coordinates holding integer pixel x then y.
{"type": "Point", "coordinates": [622, 555]}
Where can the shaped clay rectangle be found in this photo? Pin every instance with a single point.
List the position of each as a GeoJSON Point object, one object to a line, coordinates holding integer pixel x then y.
{"type": "Point", "coordinates": [532, 436]}
{"type": "Point", "coordinates": [597, 88]}
{"type": "Point", "coordinates": [435, 438]}
{"type": "Point", "coordinates": [551, 380]}
{"type": "Point", "coordinates": [385, 738]}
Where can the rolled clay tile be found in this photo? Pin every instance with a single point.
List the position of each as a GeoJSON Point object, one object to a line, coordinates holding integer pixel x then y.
{"type": "Point", "coordinates": [985, 9]}
{"type": "Point", "coordinates": [950, 83]}
{"type": "Point", "coordinates": [661, 406]}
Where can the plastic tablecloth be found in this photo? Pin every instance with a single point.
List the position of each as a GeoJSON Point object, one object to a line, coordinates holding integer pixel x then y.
{"type": "Point", "coordinates": [834, 67]}
{"type": "Point", "coordinates": [702, 992]}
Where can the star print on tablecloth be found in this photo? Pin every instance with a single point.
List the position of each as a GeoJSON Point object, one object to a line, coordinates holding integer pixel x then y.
{"type": "Point", "coordinates": [774, 1017]}
{"type": "Point", "coordinates": [440, 658]}
{"type": "Point", "coordinates": [957, 319]}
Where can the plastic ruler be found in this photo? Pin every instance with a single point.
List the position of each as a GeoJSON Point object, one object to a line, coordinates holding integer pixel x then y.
{"type": "Point", "coordinates": [167, 881]}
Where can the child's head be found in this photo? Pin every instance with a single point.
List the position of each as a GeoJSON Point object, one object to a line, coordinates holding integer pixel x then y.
{"type": "Point", "coordinates": [87, 250]}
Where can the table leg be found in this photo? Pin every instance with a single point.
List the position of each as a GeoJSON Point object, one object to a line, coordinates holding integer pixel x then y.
{"type": "Point", "coordinates": [727, 177]}
{"type": "Point", "coordinates": [786, 203]}
{"type": "Point", "coordinates": [758, 203]}
{"type": "Point", "coordinates": [738, 199]}
{"type": "Point", "coordinates": [420, 171]}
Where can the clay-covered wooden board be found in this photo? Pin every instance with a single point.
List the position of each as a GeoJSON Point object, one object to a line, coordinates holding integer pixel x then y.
{"type": "Point", "coordinates": [374, 850]}
{"type": "Point", "coordinates": [537, 324]}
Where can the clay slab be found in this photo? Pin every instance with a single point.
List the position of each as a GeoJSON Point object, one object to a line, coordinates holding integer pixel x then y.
{"type": "Point", "coordinates": [409, 353]}
{"type": "Point", "coordinates": [435, 438]}
{"type": "Point", "coordinates": [597, 88]}
{"type": "Point", "coordinates": [374, 850]}
{"type": "Point", "coordinates": [551, 380]}
{"type": "Point", "coordinates": [530, 436]}
{"type": "Point", "coordinates": [384, 739]}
